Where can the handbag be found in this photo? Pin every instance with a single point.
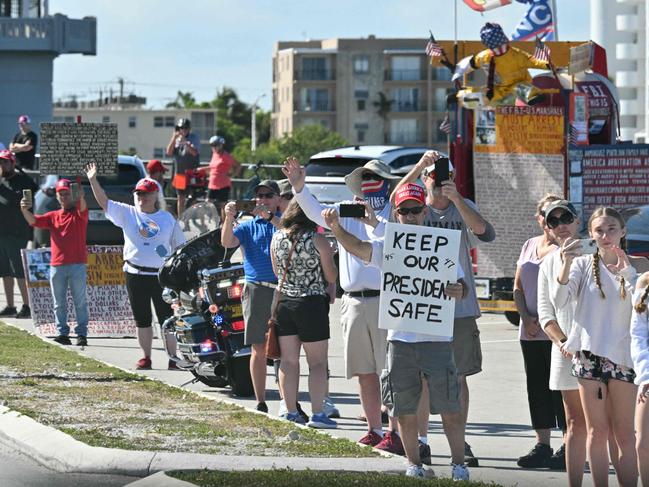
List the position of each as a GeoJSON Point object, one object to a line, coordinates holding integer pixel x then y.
{"type": "Point", "coordinates": [273, 351]}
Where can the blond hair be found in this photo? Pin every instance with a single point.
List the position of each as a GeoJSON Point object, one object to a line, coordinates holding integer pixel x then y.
{"type": "Point", "coordinates": [600, 212]}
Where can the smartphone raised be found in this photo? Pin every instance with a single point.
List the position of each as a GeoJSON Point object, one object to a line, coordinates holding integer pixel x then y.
{"type": "Point", "coordinates": [587, 246]}
{"type": "Point", "coordinates": [441, 171]}
{"type": "Point", "coordinates": [27, 195]}
{"type": "Point", "coordinates": [74, 191]}
{"type": "Point", "coordinates": [351, 210]}
{"type": "Point", "coordinates": [245, 206]}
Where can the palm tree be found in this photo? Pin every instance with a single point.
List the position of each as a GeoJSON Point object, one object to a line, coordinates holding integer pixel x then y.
{"type": "Point", "coordinates": [383, 106]}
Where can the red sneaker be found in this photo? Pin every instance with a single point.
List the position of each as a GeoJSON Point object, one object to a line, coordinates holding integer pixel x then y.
{"type": "Point", "coordinates": [371, 438]}
{"type": "Point", "coordinates": [172, 365]}
{"type": "Point", "coordinates": [143, 364]}
{"type": "Point", "coordinates": [391, 443]}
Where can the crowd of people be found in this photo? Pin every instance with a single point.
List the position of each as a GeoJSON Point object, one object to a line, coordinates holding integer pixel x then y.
{"type": "Point", "coordinates": [584, 329]}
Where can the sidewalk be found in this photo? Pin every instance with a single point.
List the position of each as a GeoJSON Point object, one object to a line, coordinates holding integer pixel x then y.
{"type": "Point", "coordinates": [498, 428]}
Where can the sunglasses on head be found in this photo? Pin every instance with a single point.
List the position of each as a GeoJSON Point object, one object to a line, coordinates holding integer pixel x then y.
{"type": "Point", "coordinates": [415, 211]}
{"type": "Point", "coordinates": [288, 196]}
{"type": "Point", "coordinates": [370, 176]}
{"type": "Point", "coordinates": [265, 195]}
{"type": "Point", "coordinates": [566, 218]}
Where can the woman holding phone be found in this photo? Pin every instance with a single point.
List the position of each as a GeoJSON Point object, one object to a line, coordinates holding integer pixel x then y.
{"type": "Point", "coordinates": [150, 234]}
{"type": "Point", "coordinates": [600, 342]}
{"type": "Point", "coordinates": [303, 262]}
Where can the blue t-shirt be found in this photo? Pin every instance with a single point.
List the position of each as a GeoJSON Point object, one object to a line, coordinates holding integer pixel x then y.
{"type": "Point", "coordinates": [255, 237]}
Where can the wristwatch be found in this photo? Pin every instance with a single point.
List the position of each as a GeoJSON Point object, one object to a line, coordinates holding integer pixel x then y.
{"type": "Point", "coordinates": [270, 217]}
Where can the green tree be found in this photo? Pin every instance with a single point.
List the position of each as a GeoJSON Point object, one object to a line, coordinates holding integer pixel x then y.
{"type": "Point", "coordinates": [183, 100]}
{"type": "Point", "coordinates": [383, 107]}
{"type": "Point", "coordinates": [302, 143]}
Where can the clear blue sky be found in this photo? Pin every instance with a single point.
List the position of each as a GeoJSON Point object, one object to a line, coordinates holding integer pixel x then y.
{"type": "Point", "coordinates": [160, 46]}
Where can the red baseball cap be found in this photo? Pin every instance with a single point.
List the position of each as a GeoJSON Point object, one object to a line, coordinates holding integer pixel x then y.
{"type": "Point", "coordinates": [410, 191]}
{"type": "Point", "coordinates": [63, 185]}
{"type": "Point", "coordinates": [146, 185]}
{"type": "Point", "coordinates": [155, 165]}
{"type": "Point", "coordinates": [8, 155]}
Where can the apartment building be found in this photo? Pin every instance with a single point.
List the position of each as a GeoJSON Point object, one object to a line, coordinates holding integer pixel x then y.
{"type": "Point", "coordinates": [620, 26]}
{"type": "Point", "coordinates": [371, 91]}
{"type": "Point", "coordinates": [141, 131]}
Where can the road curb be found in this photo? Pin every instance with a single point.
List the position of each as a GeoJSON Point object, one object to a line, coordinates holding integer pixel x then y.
{"type": "Point", "coordinates": [60, 452]}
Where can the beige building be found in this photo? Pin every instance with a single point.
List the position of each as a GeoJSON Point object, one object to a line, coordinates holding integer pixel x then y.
{"type": "Point", "coordinates": [338, 83]}
{"type": "Point", "coordinates": [141, 131]}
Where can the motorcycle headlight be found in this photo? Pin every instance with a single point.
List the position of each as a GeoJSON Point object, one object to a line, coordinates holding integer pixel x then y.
{"type": "Point", "coordinates": [169, 295]}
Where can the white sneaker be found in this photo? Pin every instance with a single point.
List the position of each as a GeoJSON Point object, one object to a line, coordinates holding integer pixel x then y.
{"type": "Point", "coordinates": [283, 411]}
{"type": "Point", "coordinates": [459, 472]}
{"type": "Point", "coordinates": [419, 471]}
{"type": "Point", "coordinates": [329, 408]}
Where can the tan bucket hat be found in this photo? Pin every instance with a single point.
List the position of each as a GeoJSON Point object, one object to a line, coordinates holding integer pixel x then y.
{"type": "Point", "coordinates": [355, 178]}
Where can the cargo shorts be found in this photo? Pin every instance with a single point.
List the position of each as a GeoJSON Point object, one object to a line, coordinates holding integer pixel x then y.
{"type": "Point", "coordinates": [407, 364]}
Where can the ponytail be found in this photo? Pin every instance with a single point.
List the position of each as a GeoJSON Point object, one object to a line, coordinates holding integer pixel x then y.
{"type": "Point", "coordinates": [641, 306]}
{"type": "Point", "coordinates": [596, 275]}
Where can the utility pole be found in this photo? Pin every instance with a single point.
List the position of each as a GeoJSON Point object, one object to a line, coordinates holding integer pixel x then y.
{"type": "Point", "coordinates": [253, 123]}
{"type": "Point", "coordinates": [121, 90]}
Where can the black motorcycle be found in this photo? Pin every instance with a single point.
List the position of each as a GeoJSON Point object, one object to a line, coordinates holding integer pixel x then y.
{"type": "Point", "coordinates": [204, 289]}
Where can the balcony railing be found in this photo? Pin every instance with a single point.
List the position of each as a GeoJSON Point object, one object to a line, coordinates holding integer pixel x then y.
{"type": "Point", "coordinates": [406, 106]}
{"type": "Point", "coordinates": [315, 74]}
{"type": "Point", "coordinates": [315, 106]}
{"type": "Point", "coordinates": [58, 33]}
{"type": "Point", "coordinates": [404, 75]}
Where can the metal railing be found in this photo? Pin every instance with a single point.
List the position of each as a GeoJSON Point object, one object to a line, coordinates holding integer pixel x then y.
{"type": "Point", "coordinates": [315, 74]}
{"type": "Point", "coordinates": [404, 75]}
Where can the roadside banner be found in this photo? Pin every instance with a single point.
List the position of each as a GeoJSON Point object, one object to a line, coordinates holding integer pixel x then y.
{"type": "Point", "coordinates": [109, 308]}
{"type": "Point", "coordinates": [418, 262]}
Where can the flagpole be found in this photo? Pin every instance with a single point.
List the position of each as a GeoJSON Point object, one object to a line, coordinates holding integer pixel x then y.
{"type": "Point", "coordinates": [555, 19]}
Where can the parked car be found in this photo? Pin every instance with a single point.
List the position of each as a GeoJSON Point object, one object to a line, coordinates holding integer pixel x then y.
{"type": "Point", "coordinates": [637, 230]}
{"type": "Point", "coordinates": [325, 171]}
{"type": "Point", "coordinates": [118, 187]}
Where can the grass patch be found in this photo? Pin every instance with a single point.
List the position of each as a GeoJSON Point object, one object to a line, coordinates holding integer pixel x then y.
{"type": "Point", "coordinates": [312, 478]}
{"type": "Point", "coordinates": [104, 406]}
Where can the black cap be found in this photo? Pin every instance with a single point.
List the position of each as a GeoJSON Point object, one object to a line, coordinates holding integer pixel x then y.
{"type": "Point", "coordinates": [563, 204]}
{"type": "Point", "coordinates": [270, 184]}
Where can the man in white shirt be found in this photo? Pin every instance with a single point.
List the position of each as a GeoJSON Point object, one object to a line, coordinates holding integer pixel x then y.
{"type": "Point", "coordinates": [419, 366]}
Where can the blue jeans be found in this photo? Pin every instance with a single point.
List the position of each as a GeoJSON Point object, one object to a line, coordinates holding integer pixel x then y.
{"type": "Point", "coordinates": [73, 276]}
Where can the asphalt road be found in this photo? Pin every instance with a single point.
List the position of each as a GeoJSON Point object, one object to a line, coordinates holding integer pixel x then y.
{"type": "Point", "coordinates": [499, 425]}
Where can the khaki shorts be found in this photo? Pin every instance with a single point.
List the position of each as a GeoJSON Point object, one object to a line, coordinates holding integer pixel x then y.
{"type": "Point", "coordinates": [365, 344]}
{"type": "Point", "coordinates": [256, 301]}
{"type": "Point", "coordinates": [407, 364]}
{"type": "Point", "coordinates": [466, 346]}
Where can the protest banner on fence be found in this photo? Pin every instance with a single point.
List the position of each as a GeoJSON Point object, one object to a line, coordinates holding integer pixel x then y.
{"type": "Point", "coordinates": [66, 148]}
{"type": "Point", "coordinates": [109, 308]}
{"type": "Point", "coordinates": [418, 262]}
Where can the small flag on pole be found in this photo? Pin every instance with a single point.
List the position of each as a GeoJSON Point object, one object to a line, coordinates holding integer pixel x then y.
{"type": "Point", "coordinates": [541, 51]}
{"type": "Point", "coordinates": [445, 126]}
{"type": "Point", "coordinates": [433, 49]}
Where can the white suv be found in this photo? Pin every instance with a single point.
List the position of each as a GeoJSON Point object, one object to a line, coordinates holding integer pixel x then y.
{"type": "Point", "coordinates": [325, 171]}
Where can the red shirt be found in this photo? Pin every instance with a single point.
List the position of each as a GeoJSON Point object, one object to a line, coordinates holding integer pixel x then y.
{"type": "Point", "coordinates": [67, 235]}
{"type": "Point", "coordinates": [220, 165]}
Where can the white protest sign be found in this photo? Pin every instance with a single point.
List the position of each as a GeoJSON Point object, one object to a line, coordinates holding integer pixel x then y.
{"type": "Point", "coordinates": [418, 263]}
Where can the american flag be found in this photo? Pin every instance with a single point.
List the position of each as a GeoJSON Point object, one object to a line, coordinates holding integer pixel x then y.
{"type": "Point", "coordinates": [541, 51]}
{"type": "Point", "coordinates": [433, 49]}
{"type": "Point", "coordinates": [445, 126]}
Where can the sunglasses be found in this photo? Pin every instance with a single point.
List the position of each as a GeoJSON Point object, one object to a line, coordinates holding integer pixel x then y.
{"type": "Point", "coordinates": [265, 195]}
{"type": "Point", "coordinates": [415, 211]}
{"type": "Point", "coordinates": [288, 196]}
{"type": "Point", "coordinates": [553, 222]}
{"type": "Point", "coordinates": [370, 176]}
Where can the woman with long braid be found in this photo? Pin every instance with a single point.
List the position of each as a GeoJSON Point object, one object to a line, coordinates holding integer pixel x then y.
{"type": "Point", "coordinates": [640, 355]}
{"type": "Point", "coordinates": [600, 341]}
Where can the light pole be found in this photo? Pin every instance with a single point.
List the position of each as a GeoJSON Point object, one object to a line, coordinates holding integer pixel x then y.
{"type": "Point", "coordinates": [253, 124]}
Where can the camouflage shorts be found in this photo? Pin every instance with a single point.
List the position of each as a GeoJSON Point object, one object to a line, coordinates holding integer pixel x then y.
{"type": "Point", "coordinates": [586, 365]}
